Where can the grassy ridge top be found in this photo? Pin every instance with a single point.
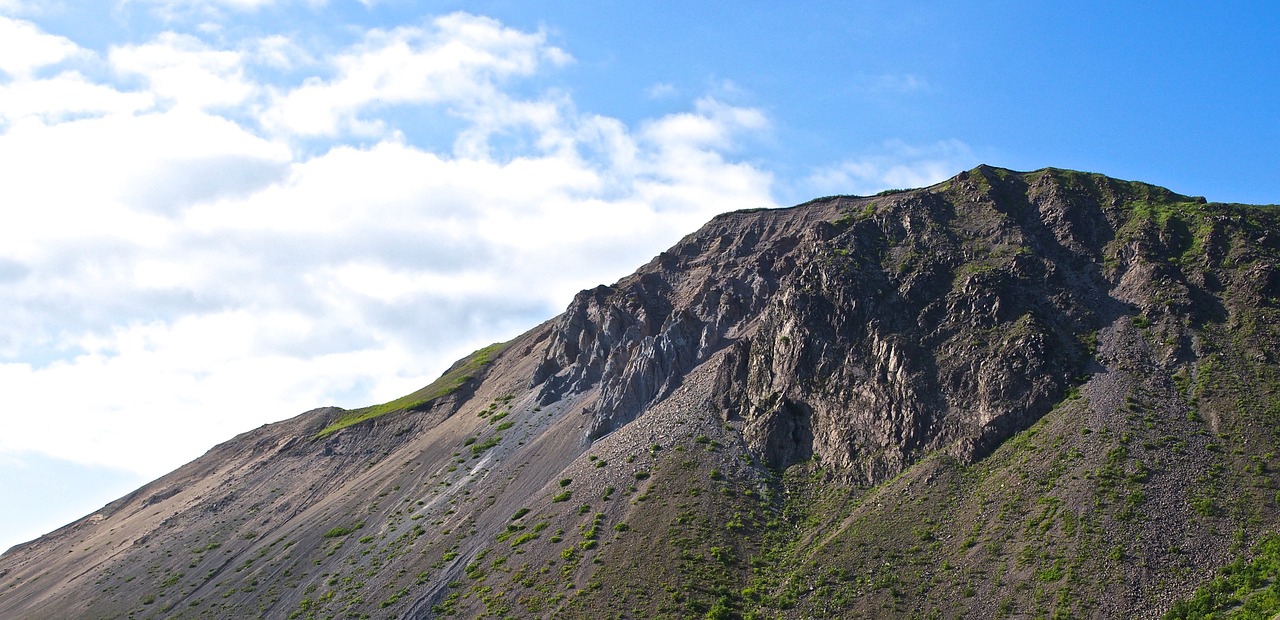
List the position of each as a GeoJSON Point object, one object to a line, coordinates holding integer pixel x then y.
{"type": "Point", "coordinates": [452, 380]}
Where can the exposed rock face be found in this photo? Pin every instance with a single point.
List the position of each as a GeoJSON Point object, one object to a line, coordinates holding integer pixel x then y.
{"type": "Point", "coordinates": [636, 341]}
{"type": "Point", "coordinates": [919, 322]}
{"type": "Point", "coordinates": [1046, 394]}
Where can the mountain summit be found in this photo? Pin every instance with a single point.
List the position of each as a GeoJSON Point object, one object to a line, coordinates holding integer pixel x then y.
{"type": "Point", "coordinates": [1042, 394]}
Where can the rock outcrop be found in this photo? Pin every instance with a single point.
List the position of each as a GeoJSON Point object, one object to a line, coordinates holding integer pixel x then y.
{"type": "Point", "coordinates": [867, 333]}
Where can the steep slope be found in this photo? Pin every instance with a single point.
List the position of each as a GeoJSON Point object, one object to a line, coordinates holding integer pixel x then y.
{"type": "Point", "coordinates": [1009, 394]}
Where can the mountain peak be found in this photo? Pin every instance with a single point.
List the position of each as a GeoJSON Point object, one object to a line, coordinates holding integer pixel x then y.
{"type": "Point", "coordinates": [1006, 391]}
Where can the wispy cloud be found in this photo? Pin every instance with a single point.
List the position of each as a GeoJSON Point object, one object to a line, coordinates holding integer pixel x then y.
{"type": "Point", "coordinates": [25, 7]}
{"type": "Point", "coordinates": [898, 83]}
{"type": "Point", "coordinates": [661, 90]}
{"type": "Point", "coordinates": [895, 165]}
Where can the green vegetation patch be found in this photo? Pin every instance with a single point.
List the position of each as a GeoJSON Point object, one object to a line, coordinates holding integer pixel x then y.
{"type": "Point", "coordinates": [341, 531]}
{"type": "Point", "coordinates": [448, 383]}
{"type": "Point", "coordinates": [479, 448]}
{"type": "Point", "coordinates": [1242, 590]}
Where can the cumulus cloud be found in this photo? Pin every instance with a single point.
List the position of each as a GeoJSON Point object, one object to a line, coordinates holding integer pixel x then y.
{"type": "Point", "coordinates": [65, 96]}
{"type": "Point", "coordinates": [459, 59]}
{"type": "Point", "coordinates": [895, 165]}
{"type": "Point", "coordinates": [24, 48]}
{"type": "Point", "coordinates": [183, 71]}
{"type": "Point", "coordinates": [174, 252]}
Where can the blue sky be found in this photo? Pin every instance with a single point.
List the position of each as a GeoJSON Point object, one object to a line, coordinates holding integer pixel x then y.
{"type": "Point", "coordinates": [220, 213]}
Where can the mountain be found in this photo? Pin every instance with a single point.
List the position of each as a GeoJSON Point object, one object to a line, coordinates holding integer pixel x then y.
{"type": "Point", "coordinates": [1043, 394]}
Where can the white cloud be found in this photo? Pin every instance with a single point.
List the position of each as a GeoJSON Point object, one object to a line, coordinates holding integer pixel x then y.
{"type": "Point", "coordinates": [896, 165]}
{"type": "Point", "coordinates": [24, 48]}
{"type": "Point", "coordinates": [194, 273]}
{"type": "Point", "coordinates": [205, 16]}
{"type": "Point", "coordinates": [65, 96]}
{"type": "Point", "coordinates": [128, 171]}
{"type": "Point", "coordinates": [458, 59]}
{"type": "Point", "coordinates": [182, 70]}
{"type": "Point", "coordinates": [280, 52]}
{"type": "Point", "coordinates": [151, 396]}
{"type": "Point", "coordinates": [661, 90]}
{"type": "Point", "coordinates": [713, 124]}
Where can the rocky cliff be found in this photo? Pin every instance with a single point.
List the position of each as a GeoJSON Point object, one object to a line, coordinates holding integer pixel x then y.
{"type": "Point", "coordinates": [1020, 394]}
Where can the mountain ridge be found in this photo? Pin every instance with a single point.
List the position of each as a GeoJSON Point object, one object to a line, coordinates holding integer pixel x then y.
{"type": "Point", "coordinates": [764, 405]}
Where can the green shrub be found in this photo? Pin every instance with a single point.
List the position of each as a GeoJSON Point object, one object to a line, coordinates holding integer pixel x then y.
{"type": "Point", "coordinates": [511, 530]}
{"type": "Point", "coordinates": [1204, 506]}
{"type": "Point", "coordinates": [343, 530]}
{"type": "Point", "coordinates": [720, 610]}
{"type": "Point", "coordinates": [477, 449]}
